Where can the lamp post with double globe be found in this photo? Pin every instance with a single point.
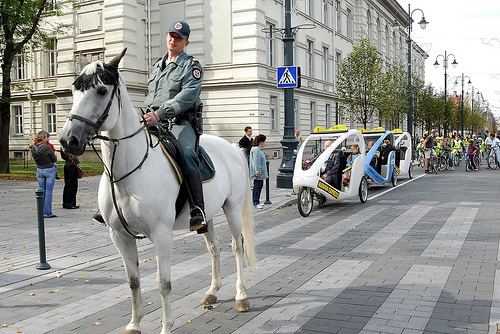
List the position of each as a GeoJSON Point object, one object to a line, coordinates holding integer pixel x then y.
{"type": "Point", "coordinates": [445, 66]}
{"type": "Point", "coordinates": [462, 80]}
{"type": "Point", "coordinates": [423, 24]}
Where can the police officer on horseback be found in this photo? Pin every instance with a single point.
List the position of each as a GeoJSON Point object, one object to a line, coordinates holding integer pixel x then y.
{"type": "Point", "coordinates": [174, 88]}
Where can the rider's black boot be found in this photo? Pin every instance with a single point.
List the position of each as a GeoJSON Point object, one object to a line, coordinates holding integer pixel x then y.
{"type": "Point", "coordinates": [197, 221]}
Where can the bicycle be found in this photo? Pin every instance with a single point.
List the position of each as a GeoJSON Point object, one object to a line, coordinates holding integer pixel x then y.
{"type": "Point", "coordinates": [474, 165]}
{"type": "Point", "coordinates": [433, 164]}
{"type": "Point", "coordinates": [443, 161]}
{"type": "Point", "coordinates": [458, 157]}
{"type": "Point", "coordinates": [491, 158]}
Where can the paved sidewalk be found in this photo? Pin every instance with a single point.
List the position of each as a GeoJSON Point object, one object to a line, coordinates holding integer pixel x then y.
{"type": "Point", "coordinates": [418, 258]}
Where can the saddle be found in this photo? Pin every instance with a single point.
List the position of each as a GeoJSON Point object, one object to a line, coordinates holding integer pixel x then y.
{"type": "Point", "coordinates": [170, 147]}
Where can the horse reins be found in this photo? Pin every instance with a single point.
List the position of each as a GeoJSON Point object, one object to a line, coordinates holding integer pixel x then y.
{"type": "Point", "coordinates": [109, 171]}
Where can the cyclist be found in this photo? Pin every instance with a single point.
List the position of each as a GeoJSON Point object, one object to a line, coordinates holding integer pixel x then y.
{"type": "Point", "coordinates": [420, 150]}
{"type": "Point", "coordinates": [446, 148]}
{"type": "Point", "coordinates": [470, 155]}
{"type": "Point", "coordinates": [458, 145]}
{"type": "Point", "coordinates": [429, 149]}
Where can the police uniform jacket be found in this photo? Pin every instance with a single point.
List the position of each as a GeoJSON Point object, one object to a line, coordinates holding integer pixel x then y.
{"type": "Point", "coordinates": [174, 88]}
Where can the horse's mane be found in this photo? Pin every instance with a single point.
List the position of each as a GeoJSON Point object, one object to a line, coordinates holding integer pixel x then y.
{"type": "Point", "coordinates": [94, 73]}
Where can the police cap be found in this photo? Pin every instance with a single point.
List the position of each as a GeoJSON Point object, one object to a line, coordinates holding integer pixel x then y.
{"type": "Point", "coordinates": [181, 28]}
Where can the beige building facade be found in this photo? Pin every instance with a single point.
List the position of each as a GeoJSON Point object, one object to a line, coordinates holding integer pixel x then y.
{"type": "Point", "coordinates": [238, 42]}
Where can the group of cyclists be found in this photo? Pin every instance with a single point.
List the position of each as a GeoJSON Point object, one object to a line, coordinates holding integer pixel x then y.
{"type": "Point", "coordinates": [438, 153]}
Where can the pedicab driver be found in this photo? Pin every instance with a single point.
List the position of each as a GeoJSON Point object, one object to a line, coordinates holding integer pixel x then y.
{"type": "Point", "coordinates": [174, 88]}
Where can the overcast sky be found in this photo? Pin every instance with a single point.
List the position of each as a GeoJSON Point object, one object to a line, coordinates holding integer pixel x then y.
{"type": "Point", "coordinates": [470, 30]}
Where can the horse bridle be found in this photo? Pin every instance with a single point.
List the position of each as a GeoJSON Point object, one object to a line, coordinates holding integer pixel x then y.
{"type": "Point", "coordinates": [93, 135]}
{"type": "Point", "coordinates": [103, 117]}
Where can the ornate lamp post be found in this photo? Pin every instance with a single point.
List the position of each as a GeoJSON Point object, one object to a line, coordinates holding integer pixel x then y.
{"type": "Point", "coordinates": [462, 109]}
{"type": "Point", "coordinates": [423, 24]}
{"type": "Point", "coordinates": [472, 98]}
{"type": "Point", "coordinates": [445, 66]}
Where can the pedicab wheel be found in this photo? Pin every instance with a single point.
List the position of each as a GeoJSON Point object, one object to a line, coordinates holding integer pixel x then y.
{"type": "Point", "coordinates": [410, 171]}
{"type": "Point", "coordinates": [305, 201]}
{"type": "Point", "coordinates": [394, 178]}
{"type": "Point", "coordinates": [363, 190]}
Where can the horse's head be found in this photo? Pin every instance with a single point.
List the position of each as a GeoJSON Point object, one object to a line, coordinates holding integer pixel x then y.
{"type": "Point", "coordinates": [94, 92]}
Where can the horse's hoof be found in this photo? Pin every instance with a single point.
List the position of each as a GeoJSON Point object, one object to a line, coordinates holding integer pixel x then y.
{"type": "Point", "coordinates": [242, 305]}
{"type": "Point", "coordinates": [131, 331]}
{"type": "Point", "coordinates": [209, 299]}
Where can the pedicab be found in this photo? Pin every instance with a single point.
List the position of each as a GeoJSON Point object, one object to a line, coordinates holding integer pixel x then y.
{"type": "Point", "coordinates": [379, 172]}
{"type": "Point", "coordinates": [311, 157]}
{"type": "Point", "coordinates": [404, 148]}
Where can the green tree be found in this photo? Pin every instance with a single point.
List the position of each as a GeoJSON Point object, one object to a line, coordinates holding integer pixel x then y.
{"type": "Point", "coordinates": [359, 81]}
{"type": "Point", "coordinates": [21, 21]}
{"type": "Point", "coordinates": [393, 102]}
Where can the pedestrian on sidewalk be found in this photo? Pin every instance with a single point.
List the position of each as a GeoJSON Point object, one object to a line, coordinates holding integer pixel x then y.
{"type": "Point", "coordinates": [258, 169]}
{"type": "Point", "coordinates": [46, 170]}
{"type": "Point", "coordinates": [246, 142]}
{"type": "Point", "coordinates": [70, 180]}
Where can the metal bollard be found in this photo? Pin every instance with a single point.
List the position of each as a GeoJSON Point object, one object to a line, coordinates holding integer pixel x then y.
{"type": "Point", "coordinates": [43, 265]}
{"type": "Point", "coordinates": [267, 184]}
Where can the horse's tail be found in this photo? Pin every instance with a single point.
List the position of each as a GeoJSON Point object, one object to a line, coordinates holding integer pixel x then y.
{"type": "Point", "coordinates": [248, 223]}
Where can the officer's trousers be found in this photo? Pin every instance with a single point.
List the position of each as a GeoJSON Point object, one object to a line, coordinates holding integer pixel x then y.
{"type": "Point", "coordinates": [186, 137]}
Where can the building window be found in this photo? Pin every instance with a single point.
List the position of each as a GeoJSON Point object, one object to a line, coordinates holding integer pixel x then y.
{"type": "Point", "coordinates": [273, 113]}
{"type": "Point", "coordinates": [379, 37]}
{"type": "Point", "coordinates": [328, 116]}
{"type": "Point", "coordinates": [337, 16]}
{"type": "Point", "coordinates": [324, 12]}
{"type": "Point", "coordinates": [19, 68]}
{"type": "Point", "coordinates": [349, 23]}
{"type": "Point", "coordinates": [50, 58]}
{"type": "Point", "coordinates": [50, 112]}
{"type": "Point", "coordinates": [387, 42]}
{"type": "Point", "coordinates": [309, 7]}
{"type": "Point", "coordinates": [324, 64]}
{"type": "Point", "coordinates": [309, 58]}
{"type": "Point", "coordinates": [296, 111]}
{"type": "Point", "coordinates": [312, 110]}
{"type": "Point", "coordinates": [269, 44]}
{"type": "Point", "coordinates": [338, 61]}
{"type": "Point", "coordinates": [17, 115]}
{"type": "Point", "coordinates": [369, 25]}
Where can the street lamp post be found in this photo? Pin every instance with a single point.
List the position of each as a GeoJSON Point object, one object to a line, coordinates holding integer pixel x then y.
{"type": "Point", "coordinates": [472, 98]}
{"type": "Point", "coordinates": [462, 109]}
{"type": "Point", "coordinates": [423, 24]}
{"type": "Point", "coordinates": [445, 66]}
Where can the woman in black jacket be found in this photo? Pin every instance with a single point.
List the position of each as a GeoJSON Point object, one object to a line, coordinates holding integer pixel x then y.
{"type": "Point", "coordinates": [45, 170]}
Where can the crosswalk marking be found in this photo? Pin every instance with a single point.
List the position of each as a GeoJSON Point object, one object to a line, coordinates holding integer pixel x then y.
{"type": "Point", "coordinates": [335, 230]}
{"type": "Point", "coordinates": [410, 305]}
{"type": "Point", "coordinates": [381, 241]}
{"type": "Point", "coordinates": [448, 242]}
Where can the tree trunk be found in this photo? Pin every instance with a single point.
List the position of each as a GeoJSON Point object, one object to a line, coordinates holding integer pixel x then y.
{"type": "Point", "coordinates": [5, 118]}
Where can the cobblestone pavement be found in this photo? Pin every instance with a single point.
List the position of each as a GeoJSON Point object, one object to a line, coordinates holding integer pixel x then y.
{"type": "Point", "coordinates": [418, 258]}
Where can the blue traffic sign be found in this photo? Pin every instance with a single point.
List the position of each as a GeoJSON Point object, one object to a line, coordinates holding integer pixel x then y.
{"type": "Point", "coordinates": [288, 77]}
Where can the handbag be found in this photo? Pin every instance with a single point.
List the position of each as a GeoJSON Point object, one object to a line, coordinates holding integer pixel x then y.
{"type": "Point", "coordinates": [78, 168]}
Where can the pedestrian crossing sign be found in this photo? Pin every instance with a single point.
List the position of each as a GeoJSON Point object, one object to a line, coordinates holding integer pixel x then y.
{"type": "Point", "coordinates": [289, 77]}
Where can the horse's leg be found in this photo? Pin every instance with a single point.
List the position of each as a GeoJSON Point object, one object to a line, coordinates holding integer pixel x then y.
{"type": "Point", "coordinates": [214, 249]}
{"type": "Point", "coordinates": [162, 241]}
{"type": "Point", "coordinates": [235, 224]}
{"type": "Point", "coordinates": [127, 248]}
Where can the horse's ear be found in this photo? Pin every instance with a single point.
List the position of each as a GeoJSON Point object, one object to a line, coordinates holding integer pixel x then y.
{"type": "Point", "coordinates": [116, 61]}
{"type": "Point", "coordinates": [82, 60]}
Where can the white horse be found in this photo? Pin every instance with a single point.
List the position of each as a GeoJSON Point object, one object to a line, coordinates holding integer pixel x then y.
{"type": "Point", "coordinates": [138, 189]}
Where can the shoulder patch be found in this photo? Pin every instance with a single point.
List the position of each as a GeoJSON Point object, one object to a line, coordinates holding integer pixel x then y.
{"type": "Point", "coordinates": [197, 71]}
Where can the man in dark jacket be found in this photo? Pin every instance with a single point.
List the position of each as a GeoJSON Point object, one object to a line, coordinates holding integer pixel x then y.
{"type": "Point", "coordinates": [246, 141]}
{"type": "Point", "coordinates": [330, 170]}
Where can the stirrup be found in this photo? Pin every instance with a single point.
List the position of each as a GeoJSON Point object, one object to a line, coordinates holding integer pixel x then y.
{"type": "Point", "coordinates": [199, 224]}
